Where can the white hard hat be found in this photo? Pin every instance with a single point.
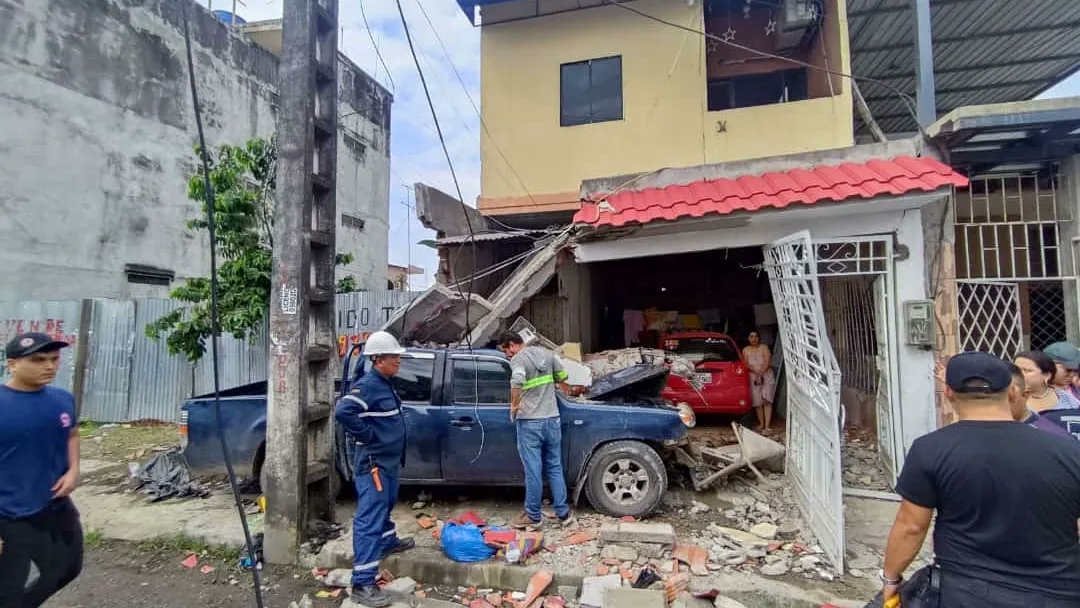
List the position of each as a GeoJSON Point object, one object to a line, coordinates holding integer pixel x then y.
{"type": "Point", "coordinates": [382, 343]}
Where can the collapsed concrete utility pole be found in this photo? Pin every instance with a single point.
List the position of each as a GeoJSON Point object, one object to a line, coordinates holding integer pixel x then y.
{"type": "Point", "coordinates": [301, 479]}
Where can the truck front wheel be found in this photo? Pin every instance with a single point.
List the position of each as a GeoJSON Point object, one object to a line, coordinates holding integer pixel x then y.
{"type": "Point", "coordinates": [626, 478]}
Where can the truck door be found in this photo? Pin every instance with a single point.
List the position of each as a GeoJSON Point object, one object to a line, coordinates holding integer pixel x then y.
{"type": "Point", "coordinates": [480, 440]}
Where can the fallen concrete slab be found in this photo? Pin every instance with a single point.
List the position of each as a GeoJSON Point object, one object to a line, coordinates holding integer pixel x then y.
{"type": "Point", "coordinates": [637, 532]}
{"type": "Point", "coordinates": [437, 316]}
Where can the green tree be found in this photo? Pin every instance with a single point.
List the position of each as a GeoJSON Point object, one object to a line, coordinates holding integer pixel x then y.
{"type": "Point", "coordinates": [244, 179]}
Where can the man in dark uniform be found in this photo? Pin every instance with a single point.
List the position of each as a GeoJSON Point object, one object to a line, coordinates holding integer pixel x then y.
{"type": "Point", "coordinates": [372, 418]}
{"type": "Point", "coordinates": [978, 475]}
{"type": "Point", "coordinates": [39, 468]}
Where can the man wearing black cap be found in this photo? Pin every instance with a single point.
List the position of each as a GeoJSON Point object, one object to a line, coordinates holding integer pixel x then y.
{"type": "Point", "coordinates": [1007, 498]}
{"type": "Point", "coordinates": [39, 468]}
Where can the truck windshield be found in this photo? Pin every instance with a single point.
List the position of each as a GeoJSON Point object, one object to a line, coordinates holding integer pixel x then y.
{"type": "Point", "coordinates": [704, 350]}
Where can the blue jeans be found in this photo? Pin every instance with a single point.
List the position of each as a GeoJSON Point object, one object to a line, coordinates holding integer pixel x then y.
{"type": "Point", "coordinates": [540, 446]}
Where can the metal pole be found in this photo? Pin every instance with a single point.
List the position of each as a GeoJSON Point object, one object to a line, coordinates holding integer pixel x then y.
{"type": "Point", "coordinates": [924, 63]}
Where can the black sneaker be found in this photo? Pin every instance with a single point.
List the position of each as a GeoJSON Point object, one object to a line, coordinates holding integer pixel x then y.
{"type": "Point", "coordinates": [371, 596]}
{"type": "Point", "coordinates": [403, 545]}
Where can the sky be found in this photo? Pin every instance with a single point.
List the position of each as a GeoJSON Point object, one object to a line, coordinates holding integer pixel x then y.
{"type": "Point", "coordinates": [415, 153]}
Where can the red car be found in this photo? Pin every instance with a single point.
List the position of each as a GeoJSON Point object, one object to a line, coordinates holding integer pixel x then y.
{"type": "Point", "coordinates": [719, 368]}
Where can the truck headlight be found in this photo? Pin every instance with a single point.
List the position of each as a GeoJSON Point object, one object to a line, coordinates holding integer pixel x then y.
{"type": "Point", "coordinates": [686, 414]}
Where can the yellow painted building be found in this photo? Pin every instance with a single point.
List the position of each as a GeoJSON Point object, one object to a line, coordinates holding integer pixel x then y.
{"type": "Point", "coordinates": [603, 91]}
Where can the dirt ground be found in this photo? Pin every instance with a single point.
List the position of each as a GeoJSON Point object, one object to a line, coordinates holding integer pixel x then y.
{"type": "Point", "coordinates": [125, 575]}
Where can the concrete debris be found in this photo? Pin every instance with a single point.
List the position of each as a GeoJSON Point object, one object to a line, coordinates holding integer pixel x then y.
{"type": "Point", "coordinates": [436, 316]}
{"type": "Point", "coordinates": [594, 587]}
{"type": "Point", "coordinates": [779, 568]}
{"type": "Point", "coordinates": [745, 539]}
{"type": "Point", "coordinates": [340, 577]}
{"type": "Point", "coordinates": [401, 586]}
{"type": "Point", "coordinates": [764, 530]}
{"type": "Point", "coordinates": [724, 601]}
{"type": "Point", "coordinates": [687, 600]}
{"type": "Point", "coordinates": [567, 592]}
{"type": "Point", "coordinates": [637, 532]}
{"type": "Point", "coordinates": [622, 553]}
{"type": "Point", "coordinates": [633, 598]}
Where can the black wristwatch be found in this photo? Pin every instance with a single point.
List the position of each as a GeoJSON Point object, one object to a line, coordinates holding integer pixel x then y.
{"type": "Point", "coordinates": [888, 581]}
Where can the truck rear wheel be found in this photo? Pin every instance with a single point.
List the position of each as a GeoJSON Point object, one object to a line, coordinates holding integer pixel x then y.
{"type": "Point", "coordinates": [626, 478]}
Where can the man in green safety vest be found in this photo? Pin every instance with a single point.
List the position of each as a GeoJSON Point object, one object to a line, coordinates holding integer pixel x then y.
{"type": "Point", "coordinates": [534, 374]}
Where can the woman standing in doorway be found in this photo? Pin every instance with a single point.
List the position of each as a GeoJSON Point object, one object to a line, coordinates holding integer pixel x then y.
{"type": "Point", "coordinates": [1039, 371]}
{"type": "Point", "coordinates": [758, 358]}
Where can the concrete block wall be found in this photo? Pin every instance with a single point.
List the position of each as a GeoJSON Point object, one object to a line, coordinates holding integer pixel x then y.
{"type": "Point", "coordinates": [98, 144]}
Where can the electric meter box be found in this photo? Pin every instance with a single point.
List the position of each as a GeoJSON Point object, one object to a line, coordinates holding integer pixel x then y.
{"type": "Point", "coordinates": [919, 323]}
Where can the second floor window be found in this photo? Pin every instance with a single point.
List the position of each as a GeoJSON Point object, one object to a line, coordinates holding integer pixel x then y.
{"type": "Point", "coordinates": [591, 91]}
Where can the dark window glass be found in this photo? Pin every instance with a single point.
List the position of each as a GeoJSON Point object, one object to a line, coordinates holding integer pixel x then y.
{"type": "Point", "coordinates": [481, 381]}
{"type": "Point", "coordinates": [704, 350]}
{"type": "Point", "coordinates": [413, 382]}
{"type": "Point", "coordinates": [591, 91]}
{"type": "Point", "coordinates": [757, 89]}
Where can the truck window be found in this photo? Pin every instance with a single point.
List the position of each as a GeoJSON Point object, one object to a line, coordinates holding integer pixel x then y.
{"type": "Point", "coordinates": [483, 381]}
{"type": "Point", "coordinates": [413, 382]}
{"type": "Point", "coordinates": [704, 350]}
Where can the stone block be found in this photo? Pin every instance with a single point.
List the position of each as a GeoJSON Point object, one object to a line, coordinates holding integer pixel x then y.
{"type": "Point", "coordinates": [629, 597]}
{"type": "Point", "coordinates": [594, 587]}
{"type": "Point", "coordinates": [637, 532]}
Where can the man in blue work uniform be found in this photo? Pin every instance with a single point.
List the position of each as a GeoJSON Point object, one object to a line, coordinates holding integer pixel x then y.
{"type": "Point", "coordinates": [39, 468]}
{"type": "Point", "coordinates": [372, 418]}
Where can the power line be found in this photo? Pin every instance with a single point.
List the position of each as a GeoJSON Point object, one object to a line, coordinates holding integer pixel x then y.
{"type": "Point", "coordinates": [215, 327]}
{"type": "Point", "coordinates": [909, 104]}
{"type": "Point", "coordinates": [378, 53]}
{"type": "Point", "coordinates": [450, 164]}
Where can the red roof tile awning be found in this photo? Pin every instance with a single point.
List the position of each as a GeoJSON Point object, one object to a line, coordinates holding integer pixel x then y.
{"type": "Point", "coordinates": [776, 190]}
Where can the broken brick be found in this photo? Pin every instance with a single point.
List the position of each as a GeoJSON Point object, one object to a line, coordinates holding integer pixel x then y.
{"type": "Point", "coordinates": [694, 556]}
{"type": "Point", "coordinates": [580, 538]}
{"type": "Point", "coordinates": [426, 522]}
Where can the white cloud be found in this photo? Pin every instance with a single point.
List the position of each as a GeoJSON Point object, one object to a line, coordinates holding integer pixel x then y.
{"type": "Point", "coordinates": [415, 151]}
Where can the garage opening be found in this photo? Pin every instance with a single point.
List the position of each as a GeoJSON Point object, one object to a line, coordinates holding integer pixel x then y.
{"type": "Point", "coordinates": [702, 306]}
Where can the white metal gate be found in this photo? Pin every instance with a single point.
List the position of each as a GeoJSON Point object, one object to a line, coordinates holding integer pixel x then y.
{"type": "Point", "coordinates": [989, 317]}
{"type": "Point", "coordinates": [813, 381]}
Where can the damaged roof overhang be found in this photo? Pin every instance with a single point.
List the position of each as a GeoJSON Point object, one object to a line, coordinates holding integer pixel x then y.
{"type": "Point", "coordinates": [1010, 137]}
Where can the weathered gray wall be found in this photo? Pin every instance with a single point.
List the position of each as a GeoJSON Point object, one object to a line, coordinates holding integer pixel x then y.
{"type": "Point", "coordinates": [98, 136]}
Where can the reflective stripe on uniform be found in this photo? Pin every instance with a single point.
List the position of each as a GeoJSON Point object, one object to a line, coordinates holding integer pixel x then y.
{"type": "Point", "coordinates": [390, 532]}
{"type": "Point", "coordinates": [379, 414]}
{"type": "Point", "coordinates": [538, 381]}
{"type": "Point", "coordinates": [356, 400]}
{"type": "Point", "coordinates": [561, 376]}
{"type": "Point", "coordinates": [367, 566]}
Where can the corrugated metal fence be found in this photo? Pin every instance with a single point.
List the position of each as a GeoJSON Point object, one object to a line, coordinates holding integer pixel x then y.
{"type": "Point", "coordinates": [131, 377]}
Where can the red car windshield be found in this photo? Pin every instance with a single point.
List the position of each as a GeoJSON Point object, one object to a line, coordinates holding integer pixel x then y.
{"type": "Point", "coordinates": [704, 350]}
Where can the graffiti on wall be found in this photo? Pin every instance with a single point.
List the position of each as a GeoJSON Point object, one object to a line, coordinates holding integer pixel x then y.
{"type": "Point", "coordinates": [356, 323]}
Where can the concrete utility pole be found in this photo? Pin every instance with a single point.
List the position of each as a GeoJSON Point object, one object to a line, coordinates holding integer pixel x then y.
{"type": "Point", "coordinates": [301, 476]}
{"type": "Point", "coordinates": [924, 63]}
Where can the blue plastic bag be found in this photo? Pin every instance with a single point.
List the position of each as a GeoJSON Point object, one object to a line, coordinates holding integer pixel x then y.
{"type": "Point", "coordinates": [465, 543]}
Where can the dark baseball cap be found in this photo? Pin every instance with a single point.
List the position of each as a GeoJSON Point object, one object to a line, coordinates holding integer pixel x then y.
{"type": "Point", "coordinates": [24, 345]}
{"type": "Point", "coordinates": [1065, 354]}
{"type": "Point", "coordinates": [977, 372]}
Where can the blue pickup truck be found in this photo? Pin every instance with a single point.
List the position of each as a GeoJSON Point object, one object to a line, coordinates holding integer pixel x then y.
{"type": "Point", "coordinates": [456, 408]}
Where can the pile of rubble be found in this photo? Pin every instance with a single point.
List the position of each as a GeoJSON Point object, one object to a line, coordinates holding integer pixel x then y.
{"type": "Point", "coordinates": [861, 463]}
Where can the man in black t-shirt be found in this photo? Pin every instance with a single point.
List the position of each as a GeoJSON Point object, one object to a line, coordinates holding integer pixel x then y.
{"type": "Point", "coordinates": [1007, 498]}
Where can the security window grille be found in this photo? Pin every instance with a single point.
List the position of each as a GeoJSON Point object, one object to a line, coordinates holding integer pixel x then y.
{"type": "Point", "coordinates": [591, 91]}
{"type": "Point", "coordinates": [1008, 228]}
